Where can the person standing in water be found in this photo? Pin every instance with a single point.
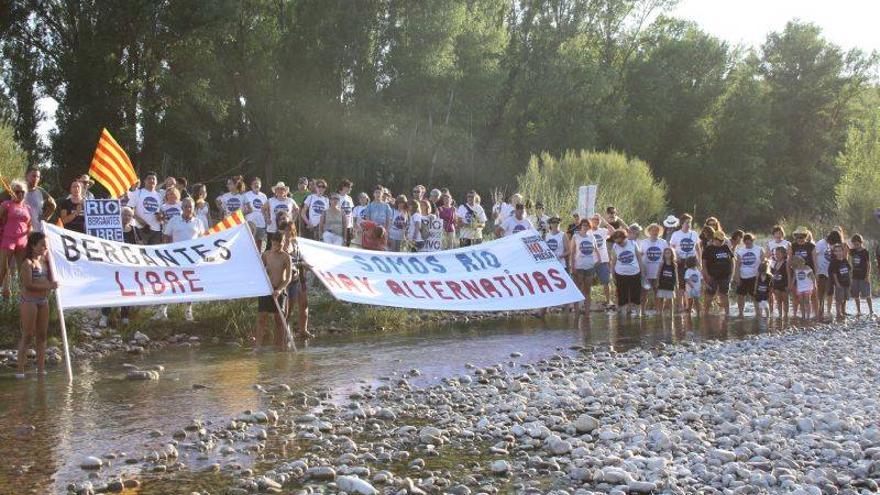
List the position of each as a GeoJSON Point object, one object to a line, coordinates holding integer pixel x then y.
{"type": "Point", "coordinates": [280, 272]}
{"type": "Point", "coordinates": [36, 282]}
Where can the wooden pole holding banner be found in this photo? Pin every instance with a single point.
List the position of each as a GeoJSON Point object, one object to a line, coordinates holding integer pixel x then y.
{"type": "Point", "coordinates": [291, 343]}
{"type": "Point", "coordinates": [60, 307]}
{"type": "Point", "coordinates": [69, 366]}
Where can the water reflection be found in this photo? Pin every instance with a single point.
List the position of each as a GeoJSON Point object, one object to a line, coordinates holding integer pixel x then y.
{"type": "Point", "coordinates": [102, 413]}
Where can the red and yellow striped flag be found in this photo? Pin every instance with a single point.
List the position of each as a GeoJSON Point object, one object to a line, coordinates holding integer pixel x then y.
{"type": "Point", "coordinates": [232, 220]}
{"type": "Point", "coordinates": [111, 166]}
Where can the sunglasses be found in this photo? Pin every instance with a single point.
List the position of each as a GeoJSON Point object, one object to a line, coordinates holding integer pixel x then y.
{"type": "Point", "coordinates": [319, 186]}
{"type": "Point", "coordinates": [18, 191]}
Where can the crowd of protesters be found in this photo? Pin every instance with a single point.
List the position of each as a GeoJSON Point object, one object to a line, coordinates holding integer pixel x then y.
{"type": "Point", "coordinates": [664, 268]}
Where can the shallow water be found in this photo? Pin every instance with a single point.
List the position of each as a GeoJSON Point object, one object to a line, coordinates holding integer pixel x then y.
{"type": "Point", "coordinates": [103, 413]}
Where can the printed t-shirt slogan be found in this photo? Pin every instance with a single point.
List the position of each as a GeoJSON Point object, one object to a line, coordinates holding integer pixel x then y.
{"type": "Point", "coordinates": [516, 272]}
{"type": "Point", "coordinates": [93, 272]}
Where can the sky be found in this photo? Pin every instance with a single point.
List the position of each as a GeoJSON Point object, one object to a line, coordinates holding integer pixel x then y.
{"type": "Point", "coordinates": [846, 23]}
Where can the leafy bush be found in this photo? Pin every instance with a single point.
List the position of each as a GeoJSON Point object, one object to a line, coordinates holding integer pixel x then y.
{"type": "Point", "coordinates": [626, 183]}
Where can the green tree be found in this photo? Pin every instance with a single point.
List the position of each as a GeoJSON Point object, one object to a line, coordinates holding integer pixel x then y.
{"type": "Point", "coordinates": [811, 83]}
{"type": "Point", "coordinates": [858, 193]}
{"type": "Point", "coordinates": [13, 159]}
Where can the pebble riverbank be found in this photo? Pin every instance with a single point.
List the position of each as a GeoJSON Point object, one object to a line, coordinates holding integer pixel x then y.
{"type": "Point", "coordinates": [793, 412]}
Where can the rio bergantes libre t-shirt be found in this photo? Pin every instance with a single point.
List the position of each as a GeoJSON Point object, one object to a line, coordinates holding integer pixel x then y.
{"type": "Point", "coordinates": [652, 255]}
{"type": "Point", "coordinates": [627, 263]}
{"type": "Point", "coordinates": [749, 259]}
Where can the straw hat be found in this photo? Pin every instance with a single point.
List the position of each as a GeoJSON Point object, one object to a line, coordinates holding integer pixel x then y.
{"type": "Point", "coordinates": [671, 222]}
{"type": "Point", "coordinates": [801, 230]}
{"type": "Point", "coordinates": [280, 185]}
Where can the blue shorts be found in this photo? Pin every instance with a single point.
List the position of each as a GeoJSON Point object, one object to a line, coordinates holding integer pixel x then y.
{"type": "Point", "coordinates": [603, 271]}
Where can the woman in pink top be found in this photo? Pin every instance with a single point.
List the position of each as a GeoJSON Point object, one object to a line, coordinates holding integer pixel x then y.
{"type": "Point", "coordinates": [16, 220]}
{"type": "Point", "coordinates": [446, 212]}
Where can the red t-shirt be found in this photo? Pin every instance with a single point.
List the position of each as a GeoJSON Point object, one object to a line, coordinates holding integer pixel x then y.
{"type": "Point", "coordinates": [370, 240]}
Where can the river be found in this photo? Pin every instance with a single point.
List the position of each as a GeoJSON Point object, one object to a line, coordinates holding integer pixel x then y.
{"type": "Point", "coordinates": [102, 413]}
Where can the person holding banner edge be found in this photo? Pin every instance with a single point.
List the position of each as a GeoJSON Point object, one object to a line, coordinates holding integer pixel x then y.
{"type": "Point", "coordinates": [280, 272]}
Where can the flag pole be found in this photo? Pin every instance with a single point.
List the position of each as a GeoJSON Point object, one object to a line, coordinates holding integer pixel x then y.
{"type": "Point", "coordinates": [60, 306]}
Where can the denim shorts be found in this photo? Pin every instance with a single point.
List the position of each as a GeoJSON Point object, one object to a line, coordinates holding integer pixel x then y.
{"type": "Point", "coordinates": [860, 288]}
{"type": "Point", "coordinates": [586, 272]}
{"type": "Point", "coordinates": [603, 271]}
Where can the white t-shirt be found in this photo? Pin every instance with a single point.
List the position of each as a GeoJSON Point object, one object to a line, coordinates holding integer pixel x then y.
{"type": "Point", "coordinates": [601, 235]}
{"type": "Point", "coordinates": [179, 229]}
{"type": "Point", "coordinates": [749, 259]}
{"type": "Point", "coordinates": [146, 204]}
{"type": "Point", "coordinates": [685, 244]}
{"type": "Point", "coordinates": [170, 211]}
{"type": "Point", "coordinates": [584, 250]}
{"type": "Point", "coordinates": [803, 282]}
{"type": "Point", "coordinates": [204, 214]}
{"type": "Point", "coordinates": [627, 261]}
{"type": "Point", "coordinates": [276, 205]}
{"type": "Point", "coordinates": [230, 202]}
{"type": "Point", "coordinates": [414, 231]}
{"type": "Point", "coordinates": [556, 243]}
{"type": "Point", "coordinates": [256, 200]}
{"type": "Point", "coordinates": [823, 257]}
{"type": "Point", "coordinates": [540, 223]}
{"type": "Point", "coordinates": [772, 244]}
{"type": "Point", "coordinates": [476, 215]}
{"type": "Point", "coordinates": [505, 211]}
{"type": "Point", "coordinates": [398, 226]}
{"type": "Point", "coordinates": [652, 255]}
{"type": "Point", "coordinates": [511, 225]}
{"type": "Point", "coordinates": [693, 276]}
{"type": "Point", "coordinates": [346, 204]}
{"type": "Point", "coordinates": [315, 204]}
{"type": "Point", "coordinates": [359, 214]}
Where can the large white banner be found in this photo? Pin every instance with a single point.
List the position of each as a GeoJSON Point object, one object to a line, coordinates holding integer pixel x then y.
{"type": "Point", "coordinates": [93, 272]}
{"type": "Point", "coordinates": [516, 272]}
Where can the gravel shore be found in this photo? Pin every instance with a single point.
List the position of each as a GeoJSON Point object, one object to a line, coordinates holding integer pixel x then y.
{"type": "Point", "coordinates": [793, 412]}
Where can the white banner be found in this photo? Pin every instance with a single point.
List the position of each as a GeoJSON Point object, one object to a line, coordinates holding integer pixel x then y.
{"type": "Point", "coordinates": [516, 272]}
{"type": "Point", "coordinates": [93, 272]}
{"type": "Point", "coordinates": [587, 200]}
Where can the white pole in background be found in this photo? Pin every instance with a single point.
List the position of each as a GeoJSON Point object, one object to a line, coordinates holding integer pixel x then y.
{"type": "Point", "coordinates": [60, 315]}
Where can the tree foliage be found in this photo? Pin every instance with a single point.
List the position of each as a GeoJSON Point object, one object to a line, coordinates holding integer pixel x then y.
{"type": "Point", "coordinates": [858, 194]}
{"type": "Point", "coordinates": [626, 183]}
{"type": "Point", "coordinates": [13, 159]}
{"type": "Point", "coordinates": [447, 92]}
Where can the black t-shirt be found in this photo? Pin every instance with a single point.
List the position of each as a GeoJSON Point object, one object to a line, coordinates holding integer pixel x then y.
{"type": "Point", "coordinates": [718, 260]}
{"type": "Point", "coordinates": [805, 251]}
{"type": "Point", "coordinates": [667, 277]}
{"type": "Point", "coordinates": [842, 270]}
{"type": "Point", "coordinates": [762, 287]}
{"type": "Point", "coordinates": [780, 276]}
{"type": "Point", "coordinates": [78, 224]}
{"type": "Point", "coordinates": [860, 261]}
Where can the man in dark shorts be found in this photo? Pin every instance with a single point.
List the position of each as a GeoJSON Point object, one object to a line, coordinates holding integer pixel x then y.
{"type": "Point", "coordinates": [280, 272]}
